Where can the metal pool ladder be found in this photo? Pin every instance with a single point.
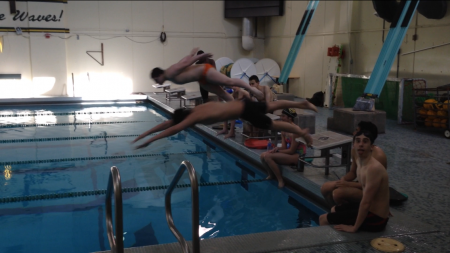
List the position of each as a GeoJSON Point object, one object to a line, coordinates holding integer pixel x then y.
{"type": "Point", "coordinates": [195, 209]}
{"type": "Point", "coordinates": [114, 184]}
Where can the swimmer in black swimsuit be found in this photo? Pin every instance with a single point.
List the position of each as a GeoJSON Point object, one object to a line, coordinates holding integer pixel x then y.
{"type": "Point", "coordinates": [213, 112]}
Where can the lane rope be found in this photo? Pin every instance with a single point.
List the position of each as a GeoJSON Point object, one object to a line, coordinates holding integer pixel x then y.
{"type": "Point", "coordinates": [124, 190]}
{"type": "Point", "coordinates": [70, 138]}
{"type": "Point", "coordinates": [18, 115]}
{"type": "Point", "coordinates": [71, 124]}
{"type": "Point", "coordinates": [103, 157]}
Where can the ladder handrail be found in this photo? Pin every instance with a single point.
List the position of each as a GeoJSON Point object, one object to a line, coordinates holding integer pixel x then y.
{"type": "Point", "coordinates": [195, 208]}
{"type": "Point", "coordinates": [114, 184]}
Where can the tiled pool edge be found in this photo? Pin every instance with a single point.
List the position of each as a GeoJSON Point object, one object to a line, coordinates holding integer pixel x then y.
{"type": "Point", "coordinates": [292, 239]}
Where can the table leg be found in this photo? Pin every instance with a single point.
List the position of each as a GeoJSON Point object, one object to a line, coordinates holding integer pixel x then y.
{"type": "Point", "coordinates": [348, 147]}
{"type": "Point", "coordinates": [326, 153]}
{"type": "Point", "coordinates": [287, 86]}
{"type": "Point", "coordinates": [276, 137]}
{"type": "Point", "coordinates": [300, 164]}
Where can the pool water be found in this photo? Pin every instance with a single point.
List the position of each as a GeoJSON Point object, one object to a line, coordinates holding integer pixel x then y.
{"type": "Point", "coordinates": [62, 149]}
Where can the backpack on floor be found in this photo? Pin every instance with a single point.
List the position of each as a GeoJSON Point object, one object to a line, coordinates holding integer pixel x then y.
{"type": "Point", "coordinates": [395, 197]}
{"type": "Point", "coordinates": [317, 99]}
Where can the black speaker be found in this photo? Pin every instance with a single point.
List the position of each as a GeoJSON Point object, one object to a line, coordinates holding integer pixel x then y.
{"type": "Point", "coordinates": [386, 9]}
{"type": "Point", "coordinates": [242, 9]}
{"type": "Point", "coordinates": [432, 9]}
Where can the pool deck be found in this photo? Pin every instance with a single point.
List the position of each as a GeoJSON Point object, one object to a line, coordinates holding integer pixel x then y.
{"type": "Point", "coordinates": [417, 165]}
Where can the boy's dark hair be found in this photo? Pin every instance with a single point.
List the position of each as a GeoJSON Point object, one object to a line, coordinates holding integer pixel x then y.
{"type": "Point", "coordinates": [156, 72]}
{"type": "Point", "coordinates": [254, 78]}
{"type": "Point", "coordinates": [180, 114]}
{"type": "Point", "coordinates": [200, 52]}
{"type": "Point", "coordinates": [366, 133]}
{"type": "Point", "coordinates": [369, 126]}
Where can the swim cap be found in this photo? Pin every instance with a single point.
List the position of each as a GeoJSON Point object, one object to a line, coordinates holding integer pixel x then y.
{"type": "Point", "coordinates": [290, 112]}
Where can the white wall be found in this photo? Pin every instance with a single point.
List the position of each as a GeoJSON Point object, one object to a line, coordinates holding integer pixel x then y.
{"type": "Point", "coordinates": [128, 56]}
{"type": "Point", "coordinates": [32, 55]}
{"type": "Point", "coordinates": [353, 24]}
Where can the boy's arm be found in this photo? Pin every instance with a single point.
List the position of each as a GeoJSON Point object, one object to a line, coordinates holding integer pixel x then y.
{"type": "Point", "coordinates": [168, 132]}
{"type": "Point", "coordinates": [293, 148]}
{"type": "Point", "coordinates": [373, 182]}
{"type": "Point", "coordinates": [267, 94]}
{"type": "Point", "coordinates": [351, 175]}
{"type": "Point", "coordinates": [245, 94]}
{"type": "Point", "coordinates": [160, 127]}
{"type": "Point", "coordinates": [347, 180]}
{"type": "Point", "coordinates": [187, 61]}
{"type": "Point", "coordinates": [189, 121]}
{"type": "Point", "coordinates": [213, 63]}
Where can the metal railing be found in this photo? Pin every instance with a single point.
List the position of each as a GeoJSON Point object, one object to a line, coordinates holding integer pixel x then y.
{"type": "Point", "coordinates": [114, 184]}
{"type": "Point", "coordinates": [195, 208]}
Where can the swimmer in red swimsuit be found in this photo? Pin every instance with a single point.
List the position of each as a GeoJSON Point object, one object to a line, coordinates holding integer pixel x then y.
{"type": "Point", "coordinates": [205, 88]}
{"type": "Point", "coordinates": [184, 72]}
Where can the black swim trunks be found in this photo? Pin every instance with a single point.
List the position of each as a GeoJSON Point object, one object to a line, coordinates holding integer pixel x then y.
{"type": "Point", "coordinates": [180, 114]}
{"type": "Point", "coordinates": [347, 214]}
{"type": "Point", "coordinates": [255, 113]}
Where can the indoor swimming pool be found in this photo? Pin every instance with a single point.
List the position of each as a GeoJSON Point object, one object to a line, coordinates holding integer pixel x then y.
{"type": "Point", "coordinates": [56, 160]}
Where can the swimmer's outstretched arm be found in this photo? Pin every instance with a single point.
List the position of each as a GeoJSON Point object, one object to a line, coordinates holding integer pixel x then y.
{"type": "Point", "coordinates": [189, 121]}
{"type": "Point", "coordinates": [160, 127]}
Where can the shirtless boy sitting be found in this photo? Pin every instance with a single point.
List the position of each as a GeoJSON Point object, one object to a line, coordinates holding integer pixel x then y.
{"type": "Point", "coordinates": [268, 94]}
{"type": "Point", "coordinates": [373, 211]}
{"type": "Point", "coordinates": [345, 190]}
{"type": "Point", "coordinates": [208, 77]}
{"type": "Point", "coordinates": [212, 112]}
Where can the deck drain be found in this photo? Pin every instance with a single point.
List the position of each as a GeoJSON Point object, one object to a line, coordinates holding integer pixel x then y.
{"type": "Point", "coordinates": [387, 245]}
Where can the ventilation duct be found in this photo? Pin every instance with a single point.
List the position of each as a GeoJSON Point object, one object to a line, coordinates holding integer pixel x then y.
{"type": "Point", "coordinates": [248, 28]}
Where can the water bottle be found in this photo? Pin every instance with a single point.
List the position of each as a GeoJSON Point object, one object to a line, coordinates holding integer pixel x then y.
{"type": "Point", "coordinates": [269, 145]}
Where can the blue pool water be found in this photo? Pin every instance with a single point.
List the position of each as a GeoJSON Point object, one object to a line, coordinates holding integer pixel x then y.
{"type": "Point", "coordinates": [70, 149]}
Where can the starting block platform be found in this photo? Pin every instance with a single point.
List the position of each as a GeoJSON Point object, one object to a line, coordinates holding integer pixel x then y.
{"type": "Point", "coordinates": [196, 97]}
{"type": "Point", "coordinates": [345, 120]}
{"type": "Point", "coordinates": [175, 93]}
{"type": "Point", "coordinates": [164, 86]}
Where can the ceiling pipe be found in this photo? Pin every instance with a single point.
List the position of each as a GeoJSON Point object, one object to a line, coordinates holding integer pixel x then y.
{"type": "Point", "coordinates": [248, 27]}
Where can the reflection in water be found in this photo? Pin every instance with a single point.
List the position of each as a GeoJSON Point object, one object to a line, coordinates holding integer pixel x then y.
{"type": "Point", "coordinates": [212, 217]}
{"type": "Point", "coordinates": [7, 172]}
{"type": "Point", "coordinates": [102, 135]}
{"type": "Point", "coordinates": [75, 122]}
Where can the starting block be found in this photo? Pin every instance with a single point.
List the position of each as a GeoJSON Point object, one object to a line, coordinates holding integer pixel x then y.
{"type": "Point", "coordinates": [175, 93]}
{"type": "Point", "coordinates": [164, 86]}
{"type": "Point", "coordinates": [196, 97]}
